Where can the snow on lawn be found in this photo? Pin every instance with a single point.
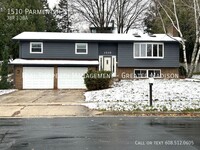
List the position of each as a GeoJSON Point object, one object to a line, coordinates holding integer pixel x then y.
{"type": "Point", "coordinates": [2, 92]}
{"type": "Point", "coordinates": [130, 95]}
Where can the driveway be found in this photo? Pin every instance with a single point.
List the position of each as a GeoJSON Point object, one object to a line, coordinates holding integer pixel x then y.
{"type": "Point", "coordinates": [40, 103]}
{"type": "Point", "coordinates": [43, 96]}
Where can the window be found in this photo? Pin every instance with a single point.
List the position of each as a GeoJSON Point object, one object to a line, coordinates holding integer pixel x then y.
{"type": "Point", "coordinates": [36, 47]}
{"type": "Point", "coordinates": [147, 73]}
{"type": "Point", "coordinates": [81, 48]}
{"type": "Point", "coordinates": [140, 73]}
{"type": "Point", "coordinates": [148, 50]}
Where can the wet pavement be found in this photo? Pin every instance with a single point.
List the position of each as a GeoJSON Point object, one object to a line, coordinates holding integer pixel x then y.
{"type": "Point", "coordinates": [100, 133]}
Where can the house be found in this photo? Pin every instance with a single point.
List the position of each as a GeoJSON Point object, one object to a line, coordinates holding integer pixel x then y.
{"type": "Point", "coordinates": [58, 60]}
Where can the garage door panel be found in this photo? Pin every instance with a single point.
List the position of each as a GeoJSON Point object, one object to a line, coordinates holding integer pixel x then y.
{"type": "Point", "coordinates": [38, 77]}
{"type": "Point", "coordinates": [71, 77]}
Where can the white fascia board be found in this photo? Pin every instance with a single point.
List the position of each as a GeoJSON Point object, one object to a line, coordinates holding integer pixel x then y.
{"type": "Point", "coordinates": [53, 62]}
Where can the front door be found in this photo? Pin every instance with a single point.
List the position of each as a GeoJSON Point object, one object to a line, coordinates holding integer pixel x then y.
{"type": "Point", "coordinates": [107, 63]}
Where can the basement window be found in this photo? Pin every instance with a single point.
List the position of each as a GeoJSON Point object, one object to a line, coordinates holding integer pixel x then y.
{"type": "Point", "coordinates": [147, 73]}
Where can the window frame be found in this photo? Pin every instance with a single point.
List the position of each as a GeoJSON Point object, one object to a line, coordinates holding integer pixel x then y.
{"type": "Point", "coordinates": [31, 46]}
{"type": "Point", "coordinates": [146, 50]}
{"type": "Point", "coordinates": [147, 73]}
{"type": "Point", "coordinates": [76, 48]}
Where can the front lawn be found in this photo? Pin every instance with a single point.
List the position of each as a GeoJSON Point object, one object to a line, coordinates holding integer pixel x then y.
{"type": "Point", "coordinates": [133, 95]}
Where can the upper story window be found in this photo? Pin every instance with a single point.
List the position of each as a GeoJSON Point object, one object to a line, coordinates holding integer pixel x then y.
{"type": "Point", "coordinates": [36, 47]}
{"type": "Point", "coordinates": [148, 50]}
{"type": "Point", "coordinates": [81, 48]}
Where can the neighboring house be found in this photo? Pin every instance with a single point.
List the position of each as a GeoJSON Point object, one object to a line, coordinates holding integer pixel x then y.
{"type": "Point", "coordinates": [59, 60]}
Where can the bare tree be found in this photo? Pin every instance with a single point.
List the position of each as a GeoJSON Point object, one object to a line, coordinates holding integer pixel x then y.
{"type": "Point", "coordinates": [174, 20]}
{"type": "Point", "coordinates": [97, 12]}
{"type": "Point", "coordinates": [130, 14]}
{"type": "Point", "coordinates": [196, 50]}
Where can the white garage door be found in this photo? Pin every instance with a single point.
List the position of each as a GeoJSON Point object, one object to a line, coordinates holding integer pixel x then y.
{"type": "Point", "coordinates": [71, 77]}
{"type": "Point", "coordinates": [38, 77]}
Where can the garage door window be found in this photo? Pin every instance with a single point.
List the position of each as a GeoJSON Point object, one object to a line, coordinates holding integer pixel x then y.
{"type": "Point", "coordinates": [81, 48]}
{"type": "Point", "coordinates": [36, 47]}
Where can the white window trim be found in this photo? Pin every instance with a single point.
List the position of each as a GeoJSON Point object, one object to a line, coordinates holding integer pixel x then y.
{"type": "Point", "coordinates": [147, 72]}
{"type": "Point", "coordinates": [147, 57]}
{"type": "Point", "coordinates": [79, 52]}
{"type": "Point", "coordinates": [36, 43]}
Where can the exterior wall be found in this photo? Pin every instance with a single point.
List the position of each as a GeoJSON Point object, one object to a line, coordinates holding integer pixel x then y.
{"type": "Point", "coordinates": [55, 77]}
{"type": "Point", "coordinates": [171, 57]}
{"type": "Point", "coordinates": [123, 51]}
{"type": "Point", "coordinates": [93, 68]}
{"type": "Point", "coordinates": [58, 50]}
{"type": "Point", "coordinates": [18, 71]}
{"type": "Point", "coordinates": [108, 49]}
{"type": "Point", "coordinates": [170, 73]}
{"type": "Point", "coordinates": [128, 73]}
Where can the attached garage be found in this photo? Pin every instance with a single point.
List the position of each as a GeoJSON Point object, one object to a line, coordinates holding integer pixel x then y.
{"type": "Point", "coordinates": [51, 74]}
{"type": "Point", "coordinates": [38, 77]}
{"type": "Point", "coordinates": [71, 77]}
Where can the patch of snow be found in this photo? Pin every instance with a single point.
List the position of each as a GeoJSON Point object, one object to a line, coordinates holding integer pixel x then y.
{"type": "Point", "coordinates": [196, 77]}
{"type": "Point", "coordinates": [129, 95]}
{"type": "Point", "coordinates": [2, 92]}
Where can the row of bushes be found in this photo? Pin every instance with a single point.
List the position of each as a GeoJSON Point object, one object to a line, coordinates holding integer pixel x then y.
{"type": "Point", "coordinates": [96, 80]}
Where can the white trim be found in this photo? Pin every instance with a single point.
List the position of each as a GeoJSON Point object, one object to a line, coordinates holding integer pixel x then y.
{"type": "Point", "coordinates": [86, 52]}
{"type": "Point", "coordinates": [100, 62]}
{"type": "Point", "coordinates": [41, 43]}
{"type": "Point", "coordinates": [148, 57]}
{"type": "Point", "coordinates": [53, 62]}
{"type": "Point", "coordinates": [114, 66]}
{"type": "Point", "coordinates": [147, 72]}
{"type": "Point", "coordinates": [113, 63]}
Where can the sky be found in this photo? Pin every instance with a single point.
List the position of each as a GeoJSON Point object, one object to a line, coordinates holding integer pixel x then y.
{"type": "Point", "coordinates": [52, 3]}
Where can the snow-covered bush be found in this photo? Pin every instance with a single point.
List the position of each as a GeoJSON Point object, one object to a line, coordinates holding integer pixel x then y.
{"type": "Point", "coordinates": [96, 80]}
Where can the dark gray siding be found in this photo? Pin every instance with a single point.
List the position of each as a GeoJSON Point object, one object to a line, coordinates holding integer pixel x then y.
{"type": "Point", "coordinates": [108, 49]}
{"type": "Point", "coordinates": [59, 50]}
{"type": "Point", "coordinates": [171, 57]}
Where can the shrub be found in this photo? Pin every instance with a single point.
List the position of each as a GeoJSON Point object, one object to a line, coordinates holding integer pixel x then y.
{"type": "Point", "coordinates": [182, 71]}
{"type": "Point", "coordinates": [96, 80]}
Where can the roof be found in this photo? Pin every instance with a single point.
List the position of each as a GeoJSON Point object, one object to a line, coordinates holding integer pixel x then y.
{"type": "Point", "coordinates": [92, 36]}
{"type": "Point", "coordinates": [53, 62]}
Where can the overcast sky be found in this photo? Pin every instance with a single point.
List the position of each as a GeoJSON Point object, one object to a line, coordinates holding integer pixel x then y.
{"type": "Point", "coordinates": [52, 3]}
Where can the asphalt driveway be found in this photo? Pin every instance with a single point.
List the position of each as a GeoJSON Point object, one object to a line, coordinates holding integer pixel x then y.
{"type": "Point", "coordinates": [42, 103]}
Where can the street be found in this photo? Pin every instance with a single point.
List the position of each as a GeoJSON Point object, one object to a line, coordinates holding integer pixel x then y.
{"type": "Point", "coordinates": [100, 133]}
